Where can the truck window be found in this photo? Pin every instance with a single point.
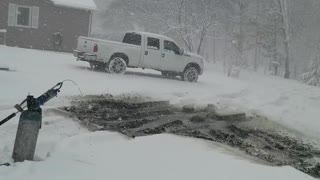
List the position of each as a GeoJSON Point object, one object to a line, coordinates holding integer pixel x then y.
{"type": "Point", "coordinates": [171, 46]}
{"type": "Point", "coordinates": [153, 43]}
{"type": "Point", "coordinates": [132, 38]}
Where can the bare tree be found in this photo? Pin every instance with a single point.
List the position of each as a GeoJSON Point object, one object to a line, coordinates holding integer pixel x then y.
{"type": "Point", "coordinates": [238, 38]}
{"type": "Point", "coordinates": [312, 76]}
{"type": "Point", "coordinates": [283, 5]}
{"type": "Point", "coordinates": [257, 43]}
{"type": "Point", "coordinates": [190, 20]}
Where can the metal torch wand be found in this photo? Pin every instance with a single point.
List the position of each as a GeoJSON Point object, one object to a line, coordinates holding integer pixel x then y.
{"type": "Point", "coordinates": [41, 100]}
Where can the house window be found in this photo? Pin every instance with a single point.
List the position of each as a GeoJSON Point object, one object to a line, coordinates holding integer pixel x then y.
{"type": "Point", "coordinates": [23, 16]}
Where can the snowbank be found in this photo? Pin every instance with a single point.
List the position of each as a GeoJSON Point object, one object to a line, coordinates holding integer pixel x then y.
{"type": "Point", "coordinates": [105, 155]}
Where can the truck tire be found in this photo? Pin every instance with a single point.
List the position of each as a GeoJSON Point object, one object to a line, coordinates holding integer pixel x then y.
{"type": "Point", "coordinates": [190, 74]}
{"type": "Point", "coordinates": [117, 65]}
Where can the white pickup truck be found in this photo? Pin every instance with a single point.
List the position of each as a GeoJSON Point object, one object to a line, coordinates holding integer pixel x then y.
{"type": "Point", "coordinates": [140, 50]}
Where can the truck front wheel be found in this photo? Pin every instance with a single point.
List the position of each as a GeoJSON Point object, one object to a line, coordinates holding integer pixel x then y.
{"type": "Point", "coordinates": [190, 74]}
{"type": "Point", "coordinates": [117, 65]}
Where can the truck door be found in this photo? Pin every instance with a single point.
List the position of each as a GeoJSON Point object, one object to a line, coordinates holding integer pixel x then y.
{"type": "Point", "coordinates": [152, 53]}
{"type": "Point", "coordinates": [171, 59]}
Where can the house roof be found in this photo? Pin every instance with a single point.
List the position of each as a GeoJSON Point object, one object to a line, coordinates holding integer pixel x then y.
{"type": "Point", "coordinates": [79, 4]}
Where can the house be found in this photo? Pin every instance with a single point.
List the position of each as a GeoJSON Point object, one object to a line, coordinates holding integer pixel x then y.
{"type": "Point", "coordinates": [45, 24]}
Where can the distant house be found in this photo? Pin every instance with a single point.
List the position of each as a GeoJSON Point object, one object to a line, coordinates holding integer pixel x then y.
{"type": "Point", "coordinates": [45, 24]}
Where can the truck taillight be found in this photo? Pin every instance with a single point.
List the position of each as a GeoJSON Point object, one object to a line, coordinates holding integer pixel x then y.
{"type": "Point", "coordinates": [95, 48]}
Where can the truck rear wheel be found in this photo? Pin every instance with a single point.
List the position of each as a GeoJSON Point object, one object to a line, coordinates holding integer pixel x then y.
{"type": "Point", "coordinates": [190, 74]}
{"type": "Point", "coordinates": [117, 65]}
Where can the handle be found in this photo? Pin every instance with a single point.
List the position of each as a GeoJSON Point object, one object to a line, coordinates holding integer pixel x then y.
{"type": "Point", "coordinates": [7, 119]}
{"type": "Point", "coordinates": [146, 53]}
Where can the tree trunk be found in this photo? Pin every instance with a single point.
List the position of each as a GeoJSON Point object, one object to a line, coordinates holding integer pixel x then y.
{"type": "Point", "coordinates": [295, 70]}
{"type": "Point", "coordinates": [286, 31]}
{"type": "Point", "coordinates": [256, 55]}
{"type": "Point", "coordinates": [214, 55]}
{"type": "Point", "coordinates": [241, 33]}
{"type": "Point", "coordinates": [287, 65]}
{"type": "Point", "coordinates": [203, 33]}
{"type": "Point", "coordinates": [275, 50]}
{"type": "Point", "coordinates": [257, 51]}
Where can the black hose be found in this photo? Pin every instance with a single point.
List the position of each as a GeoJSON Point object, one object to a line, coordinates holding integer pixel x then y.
{"type": "Point", "coordinates": [8, 118]}
{"type": "Point", "coordinates": [5, 164]}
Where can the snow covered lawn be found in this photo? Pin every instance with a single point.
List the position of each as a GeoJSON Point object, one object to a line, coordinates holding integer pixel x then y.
{"type": "Point", "coordinates": [105, 155]}
{"type": "Point", "coordinates": [285, 101]}
{"type": "Point", "coordinates": [70, 152]}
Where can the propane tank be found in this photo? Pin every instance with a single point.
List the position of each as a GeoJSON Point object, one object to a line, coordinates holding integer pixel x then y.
{"type": "Point", "coordinates": [28, 130]}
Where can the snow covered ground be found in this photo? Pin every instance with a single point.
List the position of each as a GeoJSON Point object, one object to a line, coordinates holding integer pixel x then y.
{"type": "Point", "coordinates": [70, 152]}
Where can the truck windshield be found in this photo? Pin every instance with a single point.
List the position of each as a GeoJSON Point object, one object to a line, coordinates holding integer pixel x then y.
{"type": "Point", "coordinates": [132, 38]}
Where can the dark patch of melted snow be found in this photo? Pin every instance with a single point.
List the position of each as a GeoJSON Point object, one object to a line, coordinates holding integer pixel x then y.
{"type": "Point", "coordinates": [137, 116]}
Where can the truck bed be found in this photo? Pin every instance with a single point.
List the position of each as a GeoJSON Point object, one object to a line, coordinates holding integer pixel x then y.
{"type": "Point", "coordinates": [107, 48]}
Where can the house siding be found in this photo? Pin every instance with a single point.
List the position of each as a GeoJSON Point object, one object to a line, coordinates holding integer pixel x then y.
{"type": "Point", "coordinates": [71, 22]}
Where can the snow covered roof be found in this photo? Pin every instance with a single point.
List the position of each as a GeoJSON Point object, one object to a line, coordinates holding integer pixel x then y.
{"type": "Point", "coordinates": [79, 4]}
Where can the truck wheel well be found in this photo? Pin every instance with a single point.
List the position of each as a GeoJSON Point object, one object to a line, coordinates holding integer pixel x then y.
{"type": "Point", "coordinates": [193, 65]}
{"type": "Point", "coordinates": [122, 55]}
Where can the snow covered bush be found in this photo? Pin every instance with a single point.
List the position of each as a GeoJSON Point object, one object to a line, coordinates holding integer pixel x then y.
{"type": "Point", "coordinates": [312, 77]}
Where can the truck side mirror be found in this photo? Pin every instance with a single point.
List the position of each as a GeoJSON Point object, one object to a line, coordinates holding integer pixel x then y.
{"type": "Point", "coordinates": [182, 51]}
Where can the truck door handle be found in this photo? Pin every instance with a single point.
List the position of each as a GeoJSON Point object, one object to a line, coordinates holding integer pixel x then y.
{"type": "Point", "coordinates": [146, 53]}
{"type": "Point", "coordinates": [163, 55]}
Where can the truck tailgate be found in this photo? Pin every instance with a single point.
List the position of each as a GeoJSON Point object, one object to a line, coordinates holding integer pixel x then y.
{"type": "Point", "coordinates": [86, 44]}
